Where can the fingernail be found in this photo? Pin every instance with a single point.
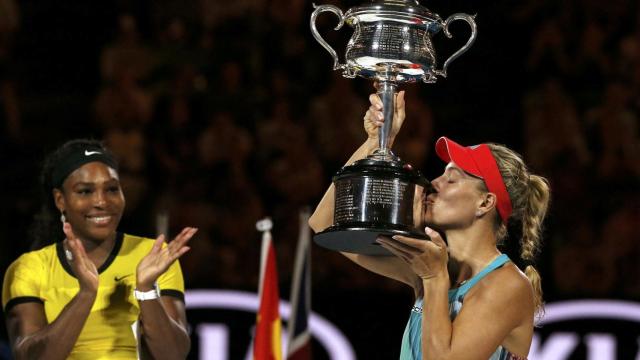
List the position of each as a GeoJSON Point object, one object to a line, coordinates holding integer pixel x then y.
{"type": "Point", "coordinates": [428, 230]}
{"type": "Point", "coordinates": [395, 237]}
{"type": "Point", "coordinates": [380, 116]}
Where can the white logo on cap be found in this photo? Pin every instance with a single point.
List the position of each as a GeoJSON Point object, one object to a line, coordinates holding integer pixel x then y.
{"type": "Point", "coordinates": [89, 153]}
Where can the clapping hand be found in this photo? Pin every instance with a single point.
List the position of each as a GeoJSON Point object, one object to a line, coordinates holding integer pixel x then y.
{"type": "Point", "coordinates": [83, 268]}
{"type": "Point", "coordinates": [160, 258]}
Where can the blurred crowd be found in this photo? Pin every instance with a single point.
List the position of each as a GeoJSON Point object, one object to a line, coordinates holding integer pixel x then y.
{"type": "Point", "coordinates": [222, 113]}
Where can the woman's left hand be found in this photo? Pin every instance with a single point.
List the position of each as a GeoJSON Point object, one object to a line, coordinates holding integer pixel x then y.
{"type": "Point", "coordinates": [159, 259]}
{"type": "Point", "coordinates": [428, 259]}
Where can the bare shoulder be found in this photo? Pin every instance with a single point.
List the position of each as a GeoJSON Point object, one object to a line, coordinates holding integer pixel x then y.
{"type": "Point", "coordinates": [502, 306]}
{"type": "Point", "coordinates": [505, 285]}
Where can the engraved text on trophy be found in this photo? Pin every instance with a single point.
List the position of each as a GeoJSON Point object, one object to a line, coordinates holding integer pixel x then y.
{"type": "Point", "coordinates": [374, 199]}
{"type": "Point", "coordinates": [374, 43]}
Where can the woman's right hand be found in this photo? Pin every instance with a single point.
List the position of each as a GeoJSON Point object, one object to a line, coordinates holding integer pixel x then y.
{"type": "Point", "coordinates": [84, 269]}
{"type": "Point", "coordinates": [374, 118]}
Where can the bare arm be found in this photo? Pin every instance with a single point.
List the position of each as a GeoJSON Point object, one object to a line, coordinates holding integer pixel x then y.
{"type": "Point", "coordinates": [32, 337]}
{"type": "Point", "coordinates": [497, 306]}
{"type": "Point", "coordinates": [164, 323]}
{"type": "Point", "coordinates": [501, 304]}
{"type": "Point", "coordinates": [322, 217]}
{"type": "Point", "coordinates": [164, 328]}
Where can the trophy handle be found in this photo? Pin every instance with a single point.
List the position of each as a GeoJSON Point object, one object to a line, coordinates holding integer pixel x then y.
{"type": "Point", "coordinates": [316, 35]}
{"type": "Point", "coordinates": [474, 31]}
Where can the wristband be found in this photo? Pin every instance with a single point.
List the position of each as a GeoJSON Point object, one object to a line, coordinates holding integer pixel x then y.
{"type": "Point", "coordinates": [147, 295]}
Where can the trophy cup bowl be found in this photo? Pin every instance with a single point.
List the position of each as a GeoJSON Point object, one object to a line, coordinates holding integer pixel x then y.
{"type": "Point", "coordinates": [381, 194]}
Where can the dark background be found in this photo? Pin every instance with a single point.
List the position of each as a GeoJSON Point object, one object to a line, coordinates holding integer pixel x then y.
{"type": "Point", "coordinates": [225, 112]}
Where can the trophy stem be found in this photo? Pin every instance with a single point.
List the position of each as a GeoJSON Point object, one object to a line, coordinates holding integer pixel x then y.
{"type": "Point", "coordinates": [387, 90]}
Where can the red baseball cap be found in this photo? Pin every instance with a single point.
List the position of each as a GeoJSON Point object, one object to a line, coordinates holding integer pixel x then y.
{"type": "Point", "coordinates": [479, 161]}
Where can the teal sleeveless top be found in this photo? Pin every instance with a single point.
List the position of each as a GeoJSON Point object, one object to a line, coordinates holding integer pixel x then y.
{"type": "Point", "coordinates": [412, 339]}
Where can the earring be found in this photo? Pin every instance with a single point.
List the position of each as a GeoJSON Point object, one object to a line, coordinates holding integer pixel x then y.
{"type": "Point", "coordinates": [63, 218]}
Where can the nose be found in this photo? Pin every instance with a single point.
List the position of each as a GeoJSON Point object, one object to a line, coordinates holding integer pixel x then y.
{"type": "Point", "coordinates": [435, 183]}
{"type": "Point", "coordinates": [100, 199]}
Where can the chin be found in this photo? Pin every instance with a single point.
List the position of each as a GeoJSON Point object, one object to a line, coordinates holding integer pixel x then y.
{"type": "Point", "coordinates": [427, 219]}
{"type": "Point", "coordinates": [432, 223]}
{"type": "Point", "coordinates": [100, 234]}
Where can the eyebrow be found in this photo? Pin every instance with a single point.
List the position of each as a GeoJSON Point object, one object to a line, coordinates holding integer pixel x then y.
{"type": "Point", "coordinates": [452, 167]}
{"type": "Point", "coordinates": [85, 183]}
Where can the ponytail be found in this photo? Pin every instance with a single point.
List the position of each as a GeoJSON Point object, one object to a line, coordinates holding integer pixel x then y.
{"type": "Point", "coordinates": [530, 195]}
{"type": "Point", "coordinates": [533, 216]}
{"type": "Point", "coordinates": [536, 284]}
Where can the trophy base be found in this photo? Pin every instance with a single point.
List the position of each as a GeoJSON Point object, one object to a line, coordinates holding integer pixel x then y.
{"type": "Point", "coordinates": [360, 240]}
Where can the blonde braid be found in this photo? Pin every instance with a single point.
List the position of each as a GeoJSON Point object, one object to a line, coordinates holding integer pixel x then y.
{"type": "Point", "coordinates": [529, 196]}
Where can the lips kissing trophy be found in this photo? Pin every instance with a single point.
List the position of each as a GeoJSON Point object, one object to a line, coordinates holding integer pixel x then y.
{"type": "Point", "coordinates": [381, 194]}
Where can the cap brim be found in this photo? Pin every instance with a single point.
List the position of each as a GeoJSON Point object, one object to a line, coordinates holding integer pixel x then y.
{"type": "Point", "coordinates": [450, 151]}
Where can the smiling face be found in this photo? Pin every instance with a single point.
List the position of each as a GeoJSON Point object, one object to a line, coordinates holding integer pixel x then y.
{"type": "Point", "coordinates": [456, 199]}
{"type": "Point", "coordinates": [92, 201]}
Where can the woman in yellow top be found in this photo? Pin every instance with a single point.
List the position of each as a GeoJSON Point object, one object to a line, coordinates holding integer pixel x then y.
{"type": "Point", "coordinates": [87, 293]}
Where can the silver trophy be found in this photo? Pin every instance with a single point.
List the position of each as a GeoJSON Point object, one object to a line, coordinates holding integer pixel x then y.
{"type": "Point", "coordinates": [391, 44]}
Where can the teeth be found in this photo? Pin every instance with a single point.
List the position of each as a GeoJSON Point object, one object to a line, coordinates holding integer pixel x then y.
{"type": "Point", "coordinates": [100, 219]}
